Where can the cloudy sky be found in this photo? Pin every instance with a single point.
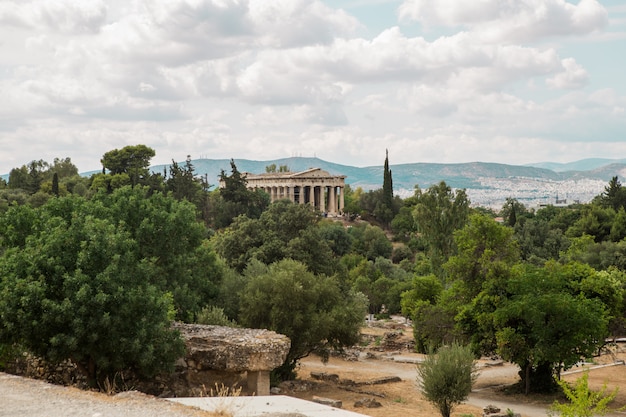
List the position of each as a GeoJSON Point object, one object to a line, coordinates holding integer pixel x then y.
{"type": "Point", "coordinates": [510, 81]}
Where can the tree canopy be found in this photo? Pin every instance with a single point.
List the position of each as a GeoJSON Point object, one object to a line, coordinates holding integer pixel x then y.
{"type": "Point", "coordinates": [310, 309]}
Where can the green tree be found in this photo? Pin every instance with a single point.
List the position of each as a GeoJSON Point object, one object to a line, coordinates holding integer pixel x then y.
{"type": "Point", "coordinates": [55, 184]}
{"type": "Point", "coordinates": [386, 211]}
{"type": "Point", "coordinates": [618, 228]}
{"type": "Point", "coordinates": [352, 201]}
{"type": "Point", "coordinates": [76, 289]}
{"type": "Point", "coordinates": [423, 289]}
{"type": "Point", "coordinates": [446, 378]}
{"type": "Point", "coordinates": [538, 241]}
{"type": "Point", "coordinates": [64, 167]}
{"type": "Point", "coordinates": [438, 213]}
{"type": "Point", "coordinates": [486, 251]}
{"type": "Point", "coordinates": [512, 210]}
{"type": "Point", "coordinates": [234, 199]}
{"type": "Point", "coordinates": [168, 233]}
{"type": "Point", "coordinates": [614, 195]}
{"type": "Point", "coordinates": [337, 237]}
{"type": "Point", "coordinates": [594, 221]}
{"type": "Point", "coordinates": [133, 161]}
{"type": "Point", "coordinates": [284, 230]}
{"type": "Point", "coordinates": [310, 309]}
{"type": "Point", "coordinates": [370, 241]}
{"type": "Point", "coordinates": [29, 177]}
{"type": "Point", "coordinates": [543, 326]}
{"type": "Point", "coordinates": [182, 181]}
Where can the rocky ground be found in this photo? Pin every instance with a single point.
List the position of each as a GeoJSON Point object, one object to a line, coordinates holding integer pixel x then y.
{"type": "Point", "coordinates": [402, 398]}
{"type": "Point", "coordinates": [378, 379]}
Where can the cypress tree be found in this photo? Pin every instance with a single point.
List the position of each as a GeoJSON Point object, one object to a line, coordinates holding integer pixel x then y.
{"type": "Point", "coordinates": [55, 184]}
{"type": "Point", "coordinates": [387, 184]}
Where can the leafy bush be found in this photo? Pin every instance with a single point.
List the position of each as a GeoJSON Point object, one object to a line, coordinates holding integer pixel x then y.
{"type": "Point", "coordinates": [214, 315]}
{"type": "Point", "coordinates": [446, 378]}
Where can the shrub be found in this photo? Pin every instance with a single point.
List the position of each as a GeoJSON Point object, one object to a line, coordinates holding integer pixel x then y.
{"type": "Point", "coordinates": [446, 378]}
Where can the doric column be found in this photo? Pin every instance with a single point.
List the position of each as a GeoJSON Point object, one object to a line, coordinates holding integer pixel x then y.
{"type": "Point", "coordinates": [332, 200]}
{"type": "Point", "coordinates": [312, 196]}
{"type": "Point", "coordinates": [341, 202]}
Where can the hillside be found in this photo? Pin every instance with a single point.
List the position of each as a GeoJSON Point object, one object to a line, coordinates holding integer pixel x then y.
{"type": "Point", "coordinates": [487, 184]}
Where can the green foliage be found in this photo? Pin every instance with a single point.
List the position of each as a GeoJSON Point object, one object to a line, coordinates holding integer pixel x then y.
{"type": "Point", "coordinates": [29, 177]}
{"type": "Point", "coordinates": [600, 255]}
{"type": "Point", "coordinates": [213, 315]}
{"type": "Point", "coordinates": [582, 401]}
{"type": "Point", "coordinates": [310, 309]}
{"type": "Point", "coordinates": [486, 251]}
{"type": "Point", "coordinates": [446, 378]}
{"type": "Point", "coordinates": [131, 160]}
{"type": "Point", "coordinates": [233, 199]}
{"type": "Point", "coordinates": [352, 201]}
{"type": "Point", "coordinates": [8, 354]}
{"type": "Point", "coordinates": [513, 211]}
{"type": "Point", "coordinates": [539, 242]}
{"type": "Point", "coordinates": [337, 237]}
{"type": "Point", "coordinates": [614, 195]}
{"type": "Point", "coordinates": [401, 253]}
{"type": "Point", "coordinates": [433, 326]}
{"type": "Point", "coordinates": [594, 221]}
{"type": "Point", "coordinates": [284, 230]}
{"type": "Point", "coordinates": [370, 241]}
{"type": "Point", "coordinates": [543, 325]}
{"type": "Point", "coordinates": [403, 224]}
{"type": "Point", "coordinates": [77, 290]}
{"type": "Point", "coordinates": [168, 234]}
{"type": "Point", "coordinates": [423, 288]}
{"type": "Point", "coordinates": [385, 211]}
{"type": "Point", "coordinates": [98, 281]}
{"type": "Point", "coordinates": [438, 213]}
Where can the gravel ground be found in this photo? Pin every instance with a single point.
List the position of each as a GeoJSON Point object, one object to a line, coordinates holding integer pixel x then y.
{"type": "Point", "coordinates": [23, 397]}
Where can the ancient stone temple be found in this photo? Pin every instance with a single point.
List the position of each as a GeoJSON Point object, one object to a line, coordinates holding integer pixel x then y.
{"type": "Point", "coordinates": [314, 186]}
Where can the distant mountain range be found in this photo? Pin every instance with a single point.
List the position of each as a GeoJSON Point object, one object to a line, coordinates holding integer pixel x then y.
{"type": "Point", "coordinates": [406, 176]}
{"type": "Point", "coordinates": [487, 184]}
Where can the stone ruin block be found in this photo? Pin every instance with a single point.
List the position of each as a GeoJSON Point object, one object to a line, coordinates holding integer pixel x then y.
{"type": "Point", "coordinates": [223, 355]}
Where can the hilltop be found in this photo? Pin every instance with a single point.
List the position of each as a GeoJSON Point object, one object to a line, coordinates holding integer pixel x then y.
{"type": "Point", "coordinates": [487, 184]}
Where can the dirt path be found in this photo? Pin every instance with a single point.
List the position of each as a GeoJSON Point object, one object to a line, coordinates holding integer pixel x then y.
{"type": "Point", "coordinates": [401, 399]}
{"type": "Point", "coordinates": [23, 397]}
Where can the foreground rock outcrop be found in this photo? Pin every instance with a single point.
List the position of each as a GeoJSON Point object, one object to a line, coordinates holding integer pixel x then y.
{"type": "Point", "coordinates": [219, 356]}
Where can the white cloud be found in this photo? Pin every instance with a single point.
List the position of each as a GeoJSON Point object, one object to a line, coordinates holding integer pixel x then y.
{"type": "Point", "coordinates": [512, 21]}
{"type": "Point", "coordinates": [272, 78]}
{"type": "Point", "coordinates": [64, 16]}
{"type": "Point", "coordinates": [573, 76]}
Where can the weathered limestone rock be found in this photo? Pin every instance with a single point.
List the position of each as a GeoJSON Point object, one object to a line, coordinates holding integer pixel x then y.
{"type": "Point", "coordinates": [327, 401]}
{"type": "Point", "coordinates": [493, 411]}
{"type": "Point", "coordinates": [232, 349]}
{"type": "Point", "coordinates": [213, 350]}
{"type": "Point", "coordinates": [367, 403]}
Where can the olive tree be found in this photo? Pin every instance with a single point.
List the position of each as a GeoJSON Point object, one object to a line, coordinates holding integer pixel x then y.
{"type": "Point", "coordinates": [310, 309]}
{"type": "Point", "coordinates": [446, 378]}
